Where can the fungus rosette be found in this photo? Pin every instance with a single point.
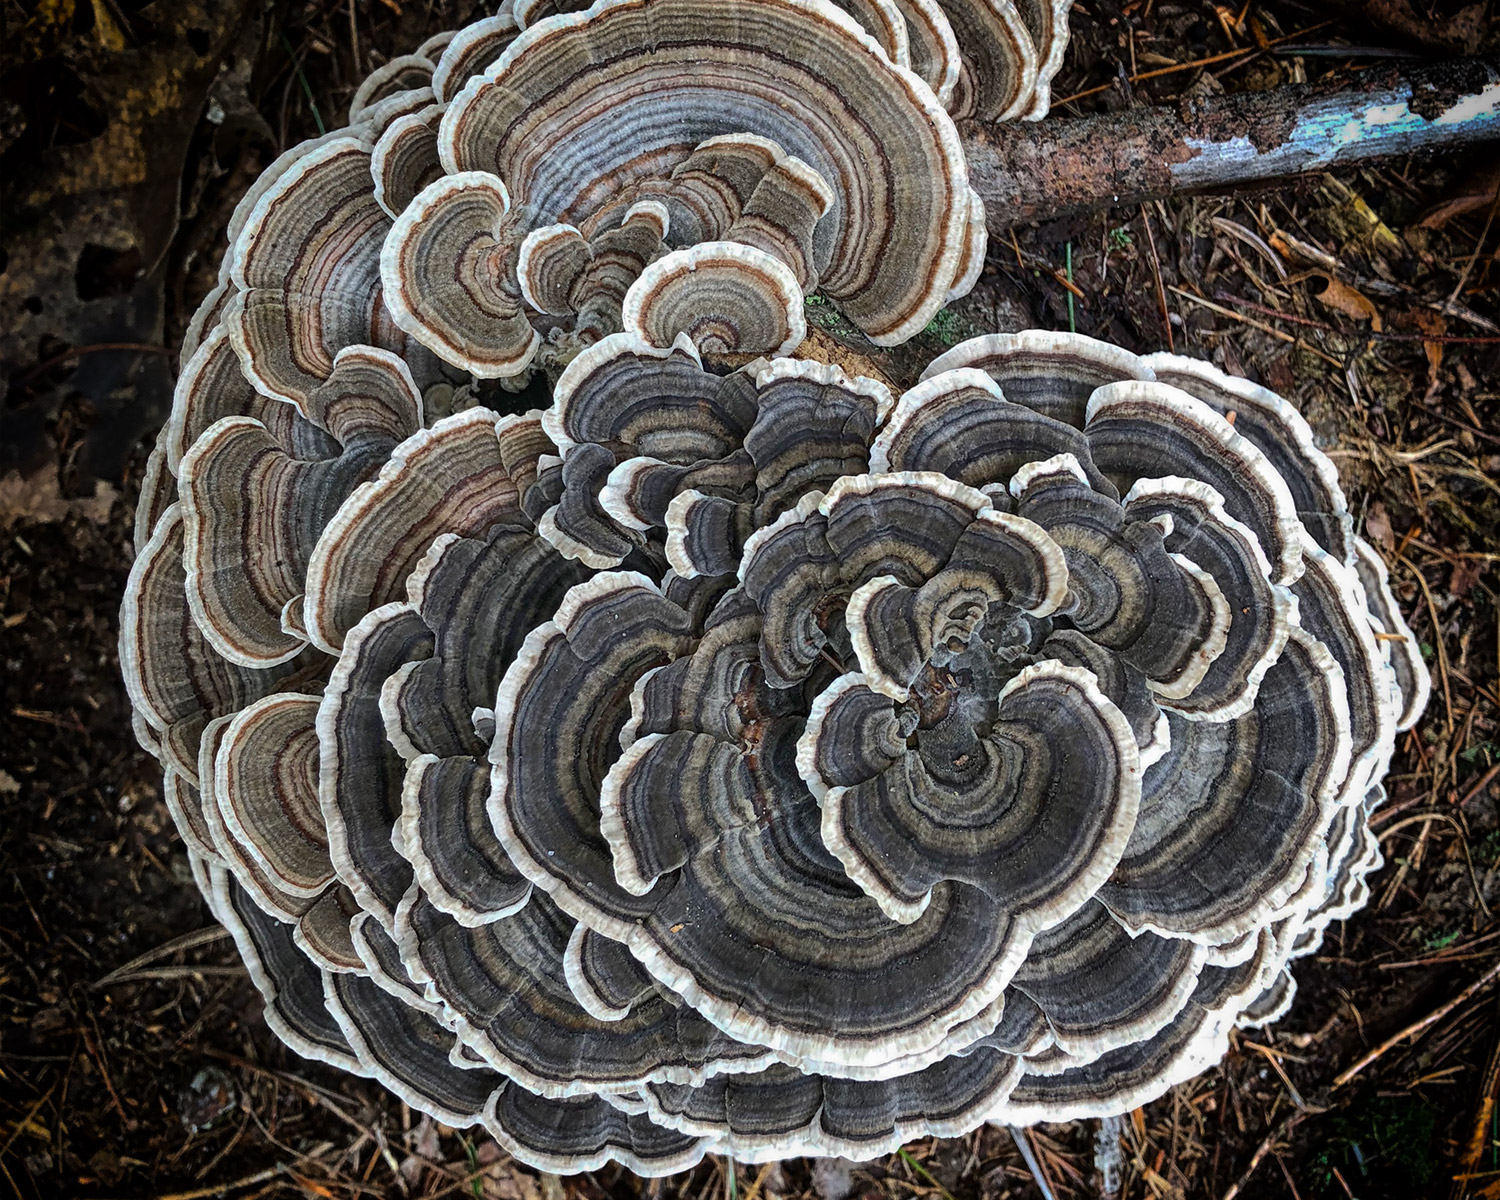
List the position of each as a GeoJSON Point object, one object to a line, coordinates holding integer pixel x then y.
{"type": "Point", "coordinates": [731, 758]}
{"type": "Point", "coordinates": [758, 762]}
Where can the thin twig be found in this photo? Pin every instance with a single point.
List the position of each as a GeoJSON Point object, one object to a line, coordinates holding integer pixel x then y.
{"type": "Point", "coordinates": [1247, 52]}
{"type": "Point", "coordinates": [187, 941]}
{"type": "Point", "coordinates": [1417, 1027]}
{"type": "Point", "coordinates": [1033, 1165]}
{"type": "Point", "coordinates": [1161, 294]}
{"type": "Point", "coordinates": [1437, 638]}
{"type": "Point", "coordinates": [1301, 343]}
{"type": "Point", "coordinates": [96, 348]}
{"type": "Point", "coordinates": [1291, 1122]}
{"type": "Point", "coordinates": [1484, 781]}
{"type": "Point", "coordinates": [1478, 246]}
{"type": "Point", "coordinates": [218, 1189]}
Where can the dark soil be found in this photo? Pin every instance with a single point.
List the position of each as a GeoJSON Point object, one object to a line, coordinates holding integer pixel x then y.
{"type": "Point", "coordinates": [1381, 321]}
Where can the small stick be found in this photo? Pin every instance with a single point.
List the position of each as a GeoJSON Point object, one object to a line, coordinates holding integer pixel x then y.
{"type": "Point", "coordinates": [354, 41]}
{"type": "Point", "coordinates": [1028, 1155]}
{"type": "Point", "coordinates": [1161, 294]}
{"type": "Point", "coordinates": [187, 941]}
{"type": "Point", "coordinates": [1243, 52]}
{"type": "Point", "coordinates": [1292, 1121]}
{"type": "Point", "coordinates": [1417, 1027]}
{"type": "Point", "coordinates": [1437, 637]}
{"type": "Point", "coordinates": [218, 1189]}
{"type": "Point", "coordinates": [1484, 781]}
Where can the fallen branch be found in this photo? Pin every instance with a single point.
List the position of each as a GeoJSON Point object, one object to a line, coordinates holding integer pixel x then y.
{"type": "Point", "coordinates": [1030, 172]}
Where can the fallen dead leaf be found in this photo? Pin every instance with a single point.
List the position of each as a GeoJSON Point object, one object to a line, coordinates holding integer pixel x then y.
{"type": "Point", "coordinates": [1464, 576]}
{"type": "Point", "coordinates": [1436, 325]}
{"type": "Point", "coordinates": [1475, 194]}
{"type": "Point", "coordinates": [1378, 527]}
{"type": "Point", "coordinates": [1340, 297]}
{"type": "Point", "coordinates": [37, 497]}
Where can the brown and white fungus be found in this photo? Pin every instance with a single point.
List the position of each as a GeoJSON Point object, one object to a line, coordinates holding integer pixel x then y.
{"type": "Point", "coordinates": [735, 760]}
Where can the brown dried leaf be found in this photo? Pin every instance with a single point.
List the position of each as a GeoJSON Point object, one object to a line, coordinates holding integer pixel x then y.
{"type": "Point", "coordinates": [1475, 194]}
{"type": "Point", "coordinates": [1435, 324]}
{"type": "Point", "coordinates": [1340, 297]}
{"type": "Point", "coordinates": [36, 497]}
{"type": "Point", "coordinates": [1464, 576]}
{"type": "Point", "coordinates": [1378, 527]}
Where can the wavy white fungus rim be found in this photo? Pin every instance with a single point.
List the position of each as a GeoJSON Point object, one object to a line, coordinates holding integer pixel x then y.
{"type": "Point", "coordinates": [393, 288]}
{"type": "Point", "coordinates": [243, 653]}
{"type": "Point", "coordinates": [1027, 475]}
{"type": "Point", "coordinates": [359, 503]}
{"type": "Point", "coordinates": [462, 44]}
{"type": "Point", "coordinates": [1284, 603]}
{"type": "Point", "coordinates": [223, 909]}
{"type": "Point", "coordinates": [1112, 839]}
{"type": "Point", "coordinates": [917, 91]}
{"type": "Point", "coordinates": [578, 372]}
{"type": "Point", "coordinates": [1055, 347]}
{"type": "Point", "coordinates": [1279, 410]}
{"type": "Point", "coordinates": [1391, 616]}
{"type": "Point", "coordinates": [529, 246]}
{"type": "Point", "coordinates": [393, 133]}
{"type": "Point", "coordinates": [827, 375]}
{"type": "Point", "coordinates": [223, 792]}
{"type": "Point", "coordinates": [1253, 465]}
{"type": "Point", "coordinates": [918, 397]}
{"type": "Point", "coordinates": [724, 257]}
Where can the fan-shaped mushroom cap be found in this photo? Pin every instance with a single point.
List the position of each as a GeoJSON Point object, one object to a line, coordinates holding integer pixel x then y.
{"type": "Point", "coordinates": [933, 47]}
{"type": "Point", "coordinates": [573, 85]}
{"type": "Point", "coordinates": [405, 159]}
{"type": "Point", "coordinates": [240, 478]}
{"type": "Point", "coordinates": [1406, 660]}
{"type": "Point", "coordinates": [291, 985]}
{"type": "Point", "coordinates": [1188, 439]}
{"type": "Point", "coordinates": [549, 264]}
{"type": "Point", "coordinates": [617, 257]}
{"type": "Point", "coordinates": [447, 268]}
{"type": "Point", "coordinates": [1052, 373]}
{"type": "Point", "coordinates": [1280, 433]}
{"type": "Point", "coordinates": [727, 297]}
{"type": "Point", "coordinates": [266, 786]}
{"type": "Point", "coordinates": [406, 72]}
{"type": "Point", "coordinates": [461, 475]}
{"type": "Point", "coordinates": [1121, 1079]}
{"type": "Point", "coordinates": [507, 990]}
{"type": "Point", "coordinates": [174, 678]}
{"type": "Point", "coordinates": [782, 213]}
{"type": "Point", "coordinates": [1235, 805]}
{"type": "Point", "coordinates": [1000, 69]}
{"type": "Point", "coordinates": [306, 269]}
{"type": "Point", "coordinates": [471, 50]}
{"type": "Point", "coordinates": [1047, 22]}
{"type": "Point", "coordinates": [781, 1112]}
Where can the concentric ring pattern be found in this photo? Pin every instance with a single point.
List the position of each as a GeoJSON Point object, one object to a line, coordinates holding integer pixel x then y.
{"type": "Point", "coordinates": [734, 756]}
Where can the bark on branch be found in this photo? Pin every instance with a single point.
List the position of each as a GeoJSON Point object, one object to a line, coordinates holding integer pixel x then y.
{"type": "Point", "coordinates": [1030, 172]}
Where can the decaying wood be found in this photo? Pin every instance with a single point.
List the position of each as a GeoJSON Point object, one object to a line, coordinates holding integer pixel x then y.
{"type": "Point", "coordinates": [1029, 172]}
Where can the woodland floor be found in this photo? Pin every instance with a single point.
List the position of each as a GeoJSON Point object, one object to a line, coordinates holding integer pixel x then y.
{"type": "Point", "coordinates": [133, 1061]}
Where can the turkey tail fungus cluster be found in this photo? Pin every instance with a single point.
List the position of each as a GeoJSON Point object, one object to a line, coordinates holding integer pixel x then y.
{"type": "Point", "coordinates": [734, 756]}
